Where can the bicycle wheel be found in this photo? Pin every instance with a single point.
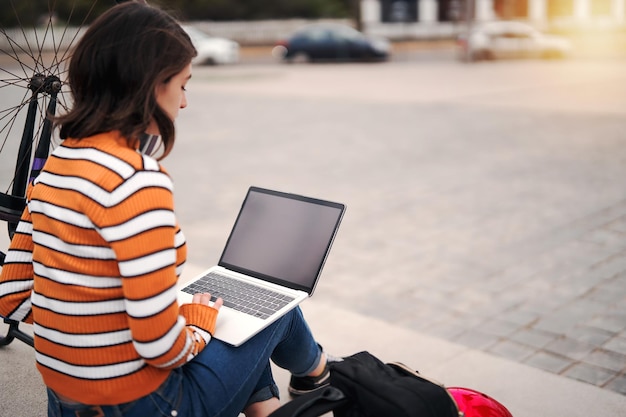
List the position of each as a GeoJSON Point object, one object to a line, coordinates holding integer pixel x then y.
{"type": "Point", "coordinates": [36, 39]}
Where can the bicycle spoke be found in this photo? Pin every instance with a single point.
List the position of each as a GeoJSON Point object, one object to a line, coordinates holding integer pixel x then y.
{"type": "Point", "coordinates": [11, 112]}
{"type": "Point", "coordinates": [15, 54]}
{"type": "Point", "coordinates": [26, 50]}
{"type": "Point", "coordinates": [62, 57]}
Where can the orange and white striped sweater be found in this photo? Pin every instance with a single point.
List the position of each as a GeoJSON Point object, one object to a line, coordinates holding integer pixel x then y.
{"type": "Point", "coordinates": [94, 265]}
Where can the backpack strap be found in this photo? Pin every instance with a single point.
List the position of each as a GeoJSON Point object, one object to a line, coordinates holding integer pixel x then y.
{"type": "Point", "coordinates": [313, 404]}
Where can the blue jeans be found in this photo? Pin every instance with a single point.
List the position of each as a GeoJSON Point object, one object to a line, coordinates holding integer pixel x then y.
{"type": "Point", "coordinates": [222, 380]}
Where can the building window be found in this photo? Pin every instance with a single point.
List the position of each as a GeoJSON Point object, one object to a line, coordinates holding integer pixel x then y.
{"type": "Point", "coordinates": [397, 11]}
{"type": "Point", "coordinates": [450, 10]}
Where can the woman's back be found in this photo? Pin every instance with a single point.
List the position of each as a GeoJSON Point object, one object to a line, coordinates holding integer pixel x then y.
{"type": "Point", "coordinates": [87, 268]}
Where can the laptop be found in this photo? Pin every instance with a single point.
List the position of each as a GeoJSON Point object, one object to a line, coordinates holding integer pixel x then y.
{"type": "Point", "coordinates": [273, 257]}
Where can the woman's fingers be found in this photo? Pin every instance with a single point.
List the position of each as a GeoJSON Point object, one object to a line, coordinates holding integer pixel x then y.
{"type": "Point", "coordinates": [205, 298]}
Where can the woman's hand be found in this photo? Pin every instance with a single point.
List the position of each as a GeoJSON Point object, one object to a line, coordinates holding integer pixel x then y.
{"type": "Point", "coordinates": [205, 298]}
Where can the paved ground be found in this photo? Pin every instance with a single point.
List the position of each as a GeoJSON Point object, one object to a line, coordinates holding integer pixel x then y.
{"type": "Point", "coordinates": [486, 204]}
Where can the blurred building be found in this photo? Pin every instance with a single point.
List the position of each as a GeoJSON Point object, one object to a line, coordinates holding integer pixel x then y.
{"type": "Point", "coordinates": [444, 19]}
{"type": "Point", "coordinates": [439, 18]}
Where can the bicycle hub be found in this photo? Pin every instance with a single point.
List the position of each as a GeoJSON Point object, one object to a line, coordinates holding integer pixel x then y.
{"type": "Point", "coordinates": [42, 84]}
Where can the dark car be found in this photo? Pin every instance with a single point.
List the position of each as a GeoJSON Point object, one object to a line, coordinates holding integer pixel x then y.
{"type": "Point", "coordinates": [331, 42]}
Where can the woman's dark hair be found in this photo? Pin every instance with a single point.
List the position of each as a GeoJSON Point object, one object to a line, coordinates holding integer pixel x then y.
{"type": "Point", "coordinates": [115, 69]}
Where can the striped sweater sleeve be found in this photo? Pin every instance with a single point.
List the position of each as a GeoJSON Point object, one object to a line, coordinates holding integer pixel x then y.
{"type": "Point", "coordinates": [16, 281]}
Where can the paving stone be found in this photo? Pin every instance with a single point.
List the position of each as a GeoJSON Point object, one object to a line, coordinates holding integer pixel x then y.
{"type": "Point", "coordinates": [469, 321]}
{"type": "Point", "coordinates": [583, 307]}
{"type": "Point", "coordinates": [618, 225]}
{"type": "Point", "coordinates": [607, 359]}
{"type": "Point", "coordinates": [556, 323]}
{"type": "Point", "coordinates": [445, 330]}
{"type": "Point", "coordinates": [476, 339]}
{"type": "Point", "coordinates": [549, 362]}
{"type": "Point", "coordinates": [584, 280]}
{"type": "Point", "coordinates": [499, 327]}
{"type": "Point", "coordinates": [512, 350]}
{"type": "Point", "coordinates": [617, 344]}
{"type": "Point", "coordinates": [568, 317]}
{"type": "Point", "coordinates": [606, 237]}
{"type": "Point", "coordinates": [538, 306]}
{"type": "Point", "coordinates": [605, 295]}
{"type": "Point", "coordinates": [616, 284]}
{"type": "Point", "coordinates": [570, 348]}
{"type": "Point", "coordinates": [611, 322]}
{"type": "Point", "coordinates": [597, 337]}
{"type": "Point", "coordinates": [533, 337]}
{"type": "Point", "coordinates": [618, 384]}
{"type": "Point", "coordinates": [608, 268]}
{"type": "Point", "coordinates": [589, 373]}
{"type": "Point", "coordinates": [487, 311]}
{"type": "Point", "coordinates": [523, 318]}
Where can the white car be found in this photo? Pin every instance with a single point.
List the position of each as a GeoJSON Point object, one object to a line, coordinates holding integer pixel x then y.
{"type": "Point", "coordinates": [212, 50]}
{"type": "Point", "coordinates": [510, 39]}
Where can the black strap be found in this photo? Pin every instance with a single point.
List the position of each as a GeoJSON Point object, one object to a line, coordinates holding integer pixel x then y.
{"type": "Point", "coordinates": [313, 404]}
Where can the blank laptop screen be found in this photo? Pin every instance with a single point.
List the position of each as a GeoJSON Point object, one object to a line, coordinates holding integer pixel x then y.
{"type": "Point", "coordinates": [283, 238]}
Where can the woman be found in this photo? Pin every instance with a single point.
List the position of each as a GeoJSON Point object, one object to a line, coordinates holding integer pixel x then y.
{"type": "Point", "coordinates": [95, 259]}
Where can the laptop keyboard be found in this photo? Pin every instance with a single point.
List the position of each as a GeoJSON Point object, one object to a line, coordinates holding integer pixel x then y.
{"type": "Point", "coordinates": [238, 295]}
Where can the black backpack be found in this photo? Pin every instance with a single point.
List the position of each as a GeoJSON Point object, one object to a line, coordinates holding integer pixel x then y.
{"type": "Point", "coordinates": [363, 386]}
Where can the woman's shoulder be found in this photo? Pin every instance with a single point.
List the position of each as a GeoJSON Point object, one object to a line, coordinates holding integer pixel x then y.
{"type": "Point", "coordinates": [113, 151]}
{"type": "Point", "coordinates": [108, 161]}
